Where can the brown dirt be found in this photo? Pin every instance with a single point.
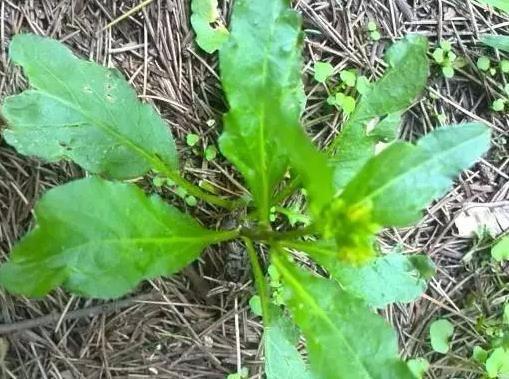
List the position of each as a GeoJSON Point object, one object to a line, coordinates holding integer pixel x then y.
{"type": "Point", "coordinates": [168, 329]}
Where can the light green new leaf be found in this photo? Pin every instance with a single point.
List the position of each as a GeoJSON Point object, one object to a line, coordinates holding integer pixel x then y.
{"type": "Point", "coordinates": [323, 70]}
{"type": "Point", "coordinates": [100, 239]}
{"type": "Point", "coordinates": [418, 366]}
{"type": "Point", "coordinates": [282, 359]}
{"type": "Point", "coordinates": [209, 38]}
{"type": "Point", "coordinates": [495, 41]}
{"type": "Point", "coordinates": [82, 111]}
{"type": "Point", "coordinates": [500, 4]}
{"type": "Point", "coordinates": [404, 80]}
{"type": "Point", "coordinates": [497, 363]}
{"type": "Point", "coordinates": [387, 279]}
{"type": "Point", "coordinates": [396, 185]}
{"type": "Point", "coordinates": [260, 72]}
{"type": "Point", "coordinates": [344, 339]}
{"type": "Point", "coordinates": [500, 252]}
{"type": "Point", "coordinates": [440, 333]}
{"type": "Point", "coordinates": [479, 354]}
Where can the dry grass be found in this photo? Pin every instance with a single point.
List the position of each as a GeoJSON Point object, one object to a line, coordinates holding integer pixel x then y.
{"type": "Point", "coordinates": [170, 328]}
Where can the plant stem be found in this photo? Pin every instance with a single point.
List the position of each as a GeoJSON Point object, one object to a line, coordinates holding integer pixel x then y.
{"type": "Point", "coordinates": [260, 283]}
{"type": "Point", "coordinates": [199, 193]}
{"type": "Point", "coordinates": [270, 235]}
{"type": "Point", "coordinates": [225, 235]}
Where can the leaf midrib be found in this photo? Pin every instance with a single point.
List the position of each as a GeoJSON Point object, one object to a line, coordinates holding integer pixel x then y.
{"type": "Point", "coordinates": [431, 157]}
{"type": "Point", "coordinates": [154, 160]}
{"type": "Point", "coordinates": [307, 297]}
{"type": "Point", "coordinates": [264, 212]}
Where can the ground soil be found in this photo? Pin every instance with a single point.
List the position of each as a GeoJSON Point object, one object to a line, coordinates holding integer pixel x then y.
{"type": "Point", "coordinates": [182, 328]}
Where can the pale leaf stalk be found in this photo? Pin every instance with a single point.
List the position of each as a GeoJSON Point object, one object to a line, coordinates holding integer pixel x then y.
{"type": "Point", "coordinates": [261, 285]}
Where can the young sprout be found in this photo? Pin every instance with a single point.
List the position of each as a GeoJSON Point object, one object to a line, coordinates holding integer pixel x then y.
{"type": "Point", "coordinates": [372, 28]}
{"type": "Point", "coordinates": [345, 102]}
{"type": "Point", "coordinates": [483, 63]}
{"type": "Point", "coordinates": [192, 139]}
{"type": "Point", "coordinates": [158, 181]}
{"type": "Point", "coordinates": [446, 58]}
{"type": "Point", "coordinates": [504, 66]}
{"type": "Point", "coordinates": [191, 201]}
{"type": "Point", "coordinates": [498, 105]}
{"type": "Point", "coordinates": [348, 77]}
{"type": "Point", "coordinates": [323, 70]}
{"type": "Point", "coordinates": [210, 153]}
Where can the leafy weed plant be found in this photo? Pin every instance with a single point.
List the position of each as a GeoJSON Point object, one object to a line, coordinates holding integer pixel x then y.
{"type": "Point", "coordinates": [99, 236]}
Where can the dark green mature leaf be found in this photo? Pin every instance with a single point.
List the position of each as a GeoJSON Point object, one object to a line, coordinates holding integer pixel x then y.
{"type": "Point", "coordinates": [100, 239]}
{"type": "Point", "coordinates": [396, 185]}
{"type": "Point", "coordinates": [260, 71]}
{"type": "Point", "coordinates": [497, 42]}
{"type": "Point", "coordinates": [387, 279]}
{"type": "Point", "coordinates": [344, 339]}
{"type": "Point", "coordinates": [282, 359]}
{"type": "Point", "coordinates": [208, 37]}
{"type": "Point", "coordinates": [404, 80]}
{"type": "Point", "coordinates": [81, 111]}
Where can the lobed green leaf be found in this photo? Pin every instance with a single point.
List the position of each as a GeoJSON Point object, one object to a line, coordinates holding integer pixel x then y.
{"type": "Point", "coordinates": [210, 38]}
{"type": "Point", "coordinates": [403, 81]}
{"type": "Point", "coordinates": [84, 112]}
{"type": "Point", "coordinates": [344, 339]}
{"type": "Point", "coordinates": [440, 333]}
{"type": "Point", "coordinates": [260, 72]}
{"type": "Point", "coordinates": [282, 359]}
{"type": "Point", "coordinates": [497, 42]}
{"type": "Point", "coordinates": [497, 364]}
{"type": "Point", "coordinates": [396, 185]}
{"type": "Point", "coordinates": [100, 239]}
{"type": "Point", "coordinates": [385, 280]}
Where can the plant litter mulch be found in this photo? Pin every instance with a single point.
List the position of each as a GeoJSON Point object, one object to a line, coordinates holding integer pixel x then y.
{"type": "Point", "coordinates": [197, 324]}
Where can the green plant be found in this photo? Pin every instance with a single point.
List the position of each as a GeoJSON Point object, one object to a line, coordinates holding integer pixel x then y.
{"type": "Point", "coordinates": [447, 59]}
{"type": "Point", "coordinates": [494, 357]}
{"type": "Point", "coordinates": [373, 31]}
{"type": "Point", "coordinates": [98, 237]}
{"type": "Point", "coordinates": [500, 251]}
{"type": "Point", "coordinates": [440, 333]}
{"type": "Point", "coordinates": [501, 43]}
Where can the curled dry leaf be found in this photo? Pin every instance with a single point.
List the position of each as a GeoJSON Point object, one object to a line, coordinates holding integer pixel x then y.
{"type": "Point", "coordinates": [474, 217]}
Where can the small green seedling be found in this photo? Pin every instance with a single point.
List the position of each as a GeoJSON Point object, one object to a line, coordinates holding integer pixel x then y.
{"type": "Point", "coordinates": [101, 236]}
{"type": "Point", "coordinates": [419, 367]}
{"type": "Point", "coordinates": [343, 96]}
{"type": "Point", "coordinates": [500, 251]}
{"type": "Point", "coordinates": [504, 66]}
{"type": "Point", "coordinates": [255, 303]}
{"type": "Point", "coordinates": [440, 333]}
{"type": "Point", "coordinates": [242, 374]}
{"type": "Point", "coordinates": [323, 71]}
{"type": "Point", "coordinates": [374, 33]}
{"type": "Point", "coordinates": [210, 153]}
{"type": "Point", "coordinates": [494, 358]}
{"type": "Point", "coordinates": [484, 63]}
{"type": "Point", "coordinates": [447, 59]}
{"type": "Point", "coordinates": [499, 105]}
{"type": "Point", "coordinates": [192, 139]}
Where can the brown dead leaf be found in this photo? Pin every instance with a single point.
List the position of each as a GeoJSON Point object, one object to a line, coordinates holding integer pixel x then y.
{"type": "Point", "coordinates": [474, 217]}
